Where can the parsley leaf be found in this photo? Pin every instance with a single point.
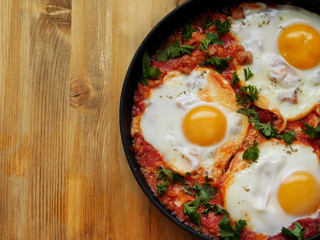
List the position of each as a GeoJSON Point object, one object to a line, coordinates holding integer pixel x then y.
{"type": "Point", "coordinates": [204, 44]}
{"type": "Point", "coordinates": [162, 187]}
{"type": "Point", "coordinates": [192, 212]}
{"type": "Point", "coordinates": [288, 136]}
{"type": "Point", "coordinates": [174, 50]}
{"type": "Point", "coordinates": [213, 208]}
{"type": "Point", "coordinates": [250, 113]}
{"type": "Point", "coordinates": [247, 73]}
{"type": "Point", "coordinates": [251, 153]}
{"type": "Point", "coordinates": [154, 72]}
{"type": "Point", "coordinates": [209, 23]}
{"type": "Point", "coordinates": [148, 71]}
{"type": "Point", "coordinates": [312, 132]}
{"type": "Point", "coordinates": [214, 38]}
{"type": "Point", "coordinates": [266, 129]}
{"type": "Point", "coordinates": [297, 232]}
{"type": "Point", "coordinates": [187, 32]}
{"type": "Point", "coordinates": [235, 78]}
{"type": "Point", "coordinates": [247, 94]}
{"type": "Point", "coordinates": [227, 231]}
{"type": "Point", "coordinates": [219, 63]}
{"type": "Point", "coordinates": [222, 27]}
{"type": "Point", "coordinates": [204, 194]}
{"type": "Point", "coordinates": [211, 38]}
{"type": "Point", "coordinates": [165, 174]}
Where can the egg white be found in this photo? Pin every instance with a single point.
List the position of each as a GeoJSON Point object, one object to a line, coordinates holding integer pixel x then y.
{"type": "Point", "coordinates": [258, 32]}
{"type": "Point", "coordinates": [161, 124]}
{"type": "Point", "coordinates": [252, 193]}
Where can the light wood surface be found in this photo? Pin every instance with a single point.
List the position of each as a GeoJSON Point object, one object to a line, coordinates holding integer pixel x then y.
{"type": "Point", "coordinates": [63, 173]}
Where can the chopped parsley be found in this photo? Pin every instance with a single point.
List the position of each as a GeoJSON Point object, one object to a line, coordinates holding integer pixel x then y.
{"type": "Point", "coordinates": [148, 71]}
{"type": "Point", "coordinates": [247, 95]}
{"type": "Point", "coordinates": [247, 73]}
{"type": "Point", "coordinates": [235, 78]}
{"type": "Point", "coordinates": [191, 210]}
{"type": "Point", "coordinates": [204, 194]}
{"type": "Point", "coordinates": [229, 232]}
{"type": "Point", "coordinates": [174, 50]}
{"type": "Point", "coordinates": [162, 187]}
{"type": "Point", "coordinates": [214, 38]}
{"type": "Point", "coordinates": [251, 153]}
{"type": "Point", "coordinates": [211, 38]}
{"type": "Point", "coordinates": [288, 136]}
{"type": "Point", "coordinates": [209, 23]}
{"type": "Point", "coordinates": [312, 132]}
{"type": "Point", "coordinates": [164, 175]}
{"type": "Point", "coordinates": [213, 208]}
{"type": "Point", "coordinates": [250, 113]}
{"type": "Point", "coordinates": [187, 32]}
{"type": "Point", "coordinates": [220, 64]}
{"type": "Point", "coordinates": [266, 129]}
{"type": "Point", "coordinates": [297, 232]}
{"type": "Point", "coordinates": [204, 44]}
{"type": "Point", "coordinates": [223, 27]}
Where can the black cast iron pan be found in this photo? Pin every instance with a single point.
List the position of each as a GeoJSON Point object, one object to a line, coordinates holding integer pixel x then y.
{"type": "Point", "coordinates": [175, 19]}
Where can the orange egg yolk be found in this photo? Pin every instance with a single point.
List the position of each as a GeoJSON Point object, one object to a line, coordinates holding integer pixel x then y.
{"type": "Point", "coordinates": [299, 44]}
{"type": "Point", "coordinates": [205, 125]}
{"type": "Point", "coordinates": [299, 194]}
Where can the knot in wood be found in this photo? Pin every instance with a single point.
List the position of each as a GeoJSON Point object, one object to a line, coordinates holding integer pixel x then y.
{"type": "Point", "coordinates": [80, 92]}
{"type": "Point", "coordinates": [59, 12]}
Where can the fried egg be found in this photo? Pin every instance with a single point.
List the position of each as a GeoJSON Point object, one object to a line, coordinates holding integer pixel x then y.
{"type": "Point", "coordinates": [282, 186]}
{"type": "Point", "coordinates": [285, 44]}
{"type": "Point", "coordinates": [192, 121]}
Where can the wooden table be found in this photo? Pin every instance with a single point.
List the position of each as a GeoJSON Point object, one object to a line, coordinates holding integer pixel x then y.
{"type": "Point", "coordinates": [63, 173]}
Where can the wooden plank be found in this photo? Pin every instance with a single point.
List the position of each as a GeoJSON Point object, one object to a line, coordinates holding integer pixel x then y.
{"type": "Point", "coordinates": [131, 25]}
{"type": "Point", "coordinates": [90, 122]}
{"type": "Point", "coordinates": [34, 54]}
{"type": "Point", "coordinates": [63, 172]}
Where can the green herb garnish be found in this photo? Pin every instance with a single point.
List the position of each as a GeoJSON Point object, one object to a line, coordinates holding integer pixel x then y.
{"type": "Point", "coordinates": [312, 132]}
{"type": "Point", "coordinates": [148, 71]}
{"type": "Point", "coordinates": [174, 50]}
{"type": "Point", "coordinates": [223, 27]}
{"type": "Point", "coordinates": [187, 32]}
{"type": "Point", "coordinates": [297, 232]}
{"type": "Point", "coordinates": [229, 232]}
{"type": "Point", "coordinates": [204, 194]}
{"type": "Point", "coordinates": [220, 64]}
{"type": "Point", "coordinates": [213, 208]}
{"type": "Point", "coordinates": [247, 73]}
{"type": "Point", "coordinates": [247, 95]}
{"type": "Point", "coordinates": [251, 153]}
{"type": "Point", "coordinates": [288, 136]}
{"type": "Point", "coordinates": [235, 78]}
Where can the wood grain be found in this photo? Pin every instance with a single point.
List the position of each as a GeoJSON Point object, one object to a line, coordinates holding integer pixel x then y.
{"type": "Point", "coordinates": [63, 172]}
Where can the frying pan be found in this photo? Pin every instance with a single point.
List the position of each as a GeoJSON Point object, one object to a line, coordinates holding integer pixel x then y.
{"type": "Point", "coordinates": [175, 19]}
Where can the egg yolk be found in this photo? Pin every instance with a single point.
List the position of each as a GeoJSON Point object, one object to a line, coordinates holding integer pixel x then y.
{"type": "Point", "coordinates": [299, 194]}
{"type": "Point", "coordinates": [205, 125]}
{"type": "Point", "coordinates": [299, 44]}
